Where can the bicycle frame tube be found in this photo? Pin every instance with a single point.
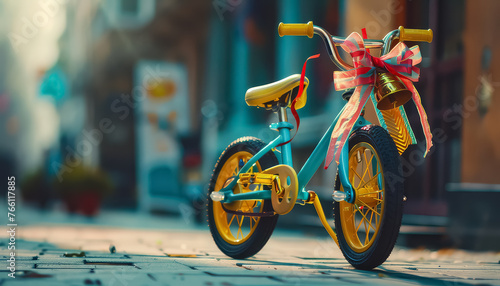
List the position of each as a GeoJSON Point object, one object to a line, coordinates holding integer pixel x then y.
{"type": "Point", "coordinates": [306, 172]}
{"type": "Point", "coordinates": [286, 150]}
{"type": "Point", "coordinates": [317, 156]}
{"type": "Point", "coordinates": [229, 196]}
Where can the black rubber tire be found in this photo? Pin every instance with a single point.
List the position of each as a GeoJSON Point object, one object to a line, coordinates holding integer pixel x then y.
{"type": "Point", "coordinates": [266, 225]}
{"type": "Point", "coordinates": [393, 212]}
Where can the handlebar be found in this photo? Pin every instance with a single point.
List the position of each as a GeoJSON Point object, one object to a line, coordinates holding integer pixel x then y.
{"type": "Point", "coordinates": [416, 35]}
{"type": "Point", "coordinates": [332, 42]}
{"type": "Point", "coordinates": [296, 29]}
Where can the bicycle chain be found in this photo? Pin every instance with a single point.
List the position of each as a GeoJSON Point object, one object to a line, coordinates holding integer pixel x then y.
{"type": "Point", "coordinates": [264, 214]}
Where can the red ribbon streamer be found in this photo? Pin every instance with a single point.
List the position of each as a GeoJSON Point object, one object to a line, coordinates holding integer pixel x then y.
{"type": "Point", "coordinates": [299, 94]}
{"type": "Point", "coordinates": [365, 36]}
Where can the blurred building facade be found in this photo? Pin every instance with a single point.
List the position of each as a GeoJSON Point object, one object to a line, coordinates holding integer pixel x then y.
{"type": "Point", "coordinates": [481, 137]}
{"type": "Point", "coordinates": [472, 203]}
{"type": "Point", "coordinates": [29, 111]}
{"type": "Point", "coordinates": [246, 52]}
{"type": "Point", "coordinates": [122, 35]}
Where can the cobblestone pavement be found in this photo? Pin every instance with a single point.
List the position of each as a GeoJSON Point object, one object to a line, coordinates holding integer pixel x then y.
{"type": "Point", "coordinates": [188, 256]}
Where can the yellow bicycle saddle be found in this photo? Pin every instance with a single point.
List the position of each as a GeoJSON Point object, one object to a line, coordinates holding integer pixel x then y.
{"type": "Point", "coordinates": [268, 95]}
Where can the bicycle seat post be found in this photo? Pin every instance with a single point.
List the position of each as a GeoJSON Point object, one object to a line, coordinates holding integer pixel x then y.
{"type": "Point", "coordinates": [282, 116]}
{"type": "Point", "coordinates": [283, 127]}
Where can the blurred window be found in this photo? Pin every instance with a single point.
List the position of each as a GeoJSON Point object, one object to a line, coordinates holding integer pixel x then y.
{"type": "Point", "coordinates": [441, 88]}
{"type": "Point", "coordinates": [128, 14]}
{"type": "Point", "coordinates": [129, 7]}
{"type": "Point", "coordinates": [450, 28]}
{"type": "Point", "coordinates": [260, 34]}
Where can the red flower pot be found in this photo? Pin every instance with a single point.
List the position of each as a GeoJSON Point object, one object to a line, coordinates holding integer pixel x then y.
{"type": "Point", "coordinates": [89, 203]}
{"type": "Point", "coordinates": [86, 203]}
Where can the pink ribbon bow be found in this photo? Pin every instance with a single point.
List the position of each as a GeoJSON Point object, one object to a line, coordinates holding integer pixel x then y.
{"type": "Point", "coordinates": [400, 61]}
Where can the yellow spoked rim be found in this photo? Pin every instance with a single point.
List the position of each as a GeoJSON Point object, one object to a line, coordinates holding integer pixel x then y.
{"type": "Point", "coordinates": [236, 229]}
{"type": "Point", "coordinates": [361, 221]}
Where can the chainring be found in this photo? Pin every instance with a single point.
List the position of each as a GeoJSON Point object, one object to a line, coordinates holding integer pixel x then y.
{"type": "Point", "coordinates": [284, 192]}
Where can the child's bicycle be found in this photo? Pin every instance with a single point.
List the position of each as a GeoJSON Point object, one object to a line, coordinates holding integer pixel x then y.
{"type": "Point", "coordinates": [253, 182]}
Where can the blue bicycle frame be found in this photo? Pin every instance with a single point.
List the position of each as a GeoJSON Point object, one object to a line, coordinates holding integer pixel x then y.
{"type": "Point", "coordinates": [316, 158]}
{"type": "Point", "coordinates": [306, 172]}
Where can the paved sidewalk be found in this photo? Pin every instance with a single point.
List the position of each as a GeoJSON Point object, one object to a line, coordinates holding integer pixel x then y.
{"type": "Point", "coordinates": [188, 256]}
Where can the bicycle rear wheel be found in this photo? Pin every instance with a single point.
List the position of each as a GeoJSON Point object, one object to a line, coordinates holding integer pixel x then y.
{"type": "Point", "coordinates": [240, 236]}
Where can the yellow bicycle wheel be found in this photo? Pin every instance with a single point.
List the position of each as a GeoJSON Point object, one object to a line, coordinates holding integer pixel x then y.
{"type": "Point", "coordinates": [368, 226]}
{"type": "Point", "coordinates": [238, 235]}
{"type": "Point", "coordinates": [236, 229]}
{"type": "Point", "coordinates": [361, 221]}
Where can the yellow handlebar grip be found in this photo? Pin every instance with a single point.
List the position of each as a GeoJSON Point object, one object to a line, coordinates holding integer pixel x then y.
{"type": "Point", "coordinates": [296, 29]}
{"type": "Point", "coordinates": [415, 35]}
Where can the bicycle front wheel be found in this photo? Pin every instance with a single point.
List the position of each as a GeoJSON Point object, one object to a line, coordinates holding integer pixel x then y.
{"type": "Point", "coordinates": [368, 228]}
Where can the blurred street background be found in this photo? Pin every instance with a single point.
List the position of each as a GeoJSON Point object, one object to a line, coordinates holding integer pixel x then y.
{"type": "Point", "coordinates": [123, 106]}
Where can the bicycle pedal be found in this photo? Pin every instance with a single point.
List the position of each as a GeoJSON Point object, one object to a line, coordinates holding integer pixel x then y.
{"type": "Point", "coordinates": [256, 178]}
